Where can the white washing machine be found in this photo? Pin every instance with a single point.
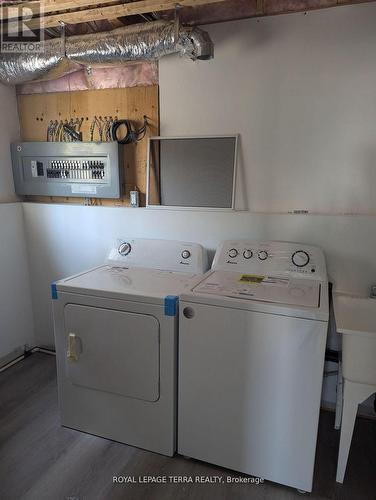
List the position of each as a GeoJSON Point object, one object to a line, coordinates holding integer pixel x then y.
{"type": "Point", "coordinates": [116, 342]}
{"type": "Point", "coordinates": [252, 339]}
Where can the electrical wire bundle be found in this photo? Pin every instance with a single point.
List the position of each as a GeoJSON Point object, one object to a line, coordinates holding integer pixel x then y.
{"type": "Point", "coordinates": [132, 134]}
{"type": "Point", "coordinates": [104, 126]}
{"type": "Point", "coordinates": [107, 130]}
{"type": "Point", "coordinates": [65, 131]}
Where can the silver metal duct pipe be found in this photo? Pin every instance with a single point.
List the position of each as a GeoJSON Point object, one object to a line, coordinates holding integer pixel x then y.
{"type": "Point", "coordinates": [148, 41]}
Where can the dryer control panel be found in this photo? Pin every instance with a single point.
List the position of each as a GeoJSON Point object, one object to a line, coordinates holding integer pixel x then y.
{"type": "Point", "coordinates": [166, 255]}
{"type": "Point", "coordinates": [271, 257]}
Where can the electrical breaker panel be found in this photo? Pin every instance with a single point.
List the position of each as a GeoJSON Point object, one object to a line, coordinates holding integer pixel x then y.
{"type": "Point", "coordinates": [85, 169]}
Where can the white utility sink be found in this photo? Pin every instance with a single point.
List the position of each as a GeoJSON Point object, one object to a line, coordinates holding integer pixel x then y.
{"type": "Point", "coordinates": [356, 321]}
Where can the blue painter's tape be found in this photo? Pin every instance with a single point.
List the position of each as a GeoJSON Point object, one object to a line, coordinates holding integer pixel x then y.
{"type": "Point", "coordinates": [171, 305]}
{"type": "Point", "coordinates": [53, 291]}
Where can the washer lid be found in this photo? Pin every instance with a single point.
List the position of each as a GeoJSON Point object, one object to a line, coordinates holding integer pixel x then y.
{"type": "Point", "coordinates": [108, 281]}
{"type": "Point", "coordinates": [275, 289]}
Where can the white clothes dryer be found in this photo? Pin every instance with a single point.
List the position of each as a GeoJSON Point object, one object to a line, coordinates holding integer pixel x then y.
{"type": "Point", "coordinates": [116, 342]}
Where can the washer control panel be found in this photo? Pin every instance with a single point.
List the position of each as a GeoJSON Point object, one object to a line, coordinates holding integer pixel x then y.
{"type": "Point", "coordinates": [271, 257]}
{"type": "Point", "coordinates": [166, 255]}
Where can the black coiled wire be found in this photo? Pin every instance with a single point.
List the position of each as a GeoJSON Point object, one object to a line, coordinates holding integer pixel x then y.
{"type": "Point", "coordinates": [132, 135]}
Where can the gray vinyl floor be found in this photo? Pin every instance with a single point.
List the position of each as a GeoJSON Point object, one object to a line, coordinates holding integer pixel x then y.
{"type": "Point", "coordinates": [41, 460]}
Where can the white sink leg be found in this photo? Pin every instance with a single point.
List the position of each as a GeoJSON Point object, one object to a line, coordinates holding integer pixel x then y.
{"type": "Point", "coordinates": [353, 395]}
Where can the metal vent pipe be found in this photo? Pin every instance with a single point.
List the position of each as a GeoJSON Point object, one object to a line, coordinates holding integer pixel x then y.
{"type": "Point", "coordinates": [148, 41]}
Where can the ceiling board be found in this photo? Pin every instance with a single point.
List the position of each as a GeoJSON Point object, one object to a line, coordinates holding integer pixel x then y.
{"type": "Point", "coordinates": [55, 6]}
{"type": "Point", "coordinates": [113, 12]}
{"type": "Point", "coordinates": [80, 14]}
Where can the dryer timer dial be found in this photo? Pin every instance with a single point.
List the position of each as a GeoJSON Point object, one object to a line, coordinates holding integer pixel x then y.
{"type": "Point", "coordinates": [186, 254]}
{"type": "Point", "coordinates": [124, 248]}
{"type": "Point", "coordinates": [300, 258]}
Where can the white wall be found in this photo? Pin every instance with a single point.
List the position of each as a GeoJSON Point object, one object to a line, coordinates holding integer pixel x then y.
{"type": "Point", "coordinates": [301, 91]}
{"type": "Point", "coordinates": [63, 240]}
{"type": "Point", "coordinates": [16, 318]}
{"type": "Point", "coordinates": [9, 132]}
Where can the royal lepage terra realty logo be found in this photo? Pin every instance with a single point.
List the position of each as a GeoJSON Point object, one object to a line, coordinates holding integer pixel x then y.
{"type": "Point", "coordinates": [21, 27]}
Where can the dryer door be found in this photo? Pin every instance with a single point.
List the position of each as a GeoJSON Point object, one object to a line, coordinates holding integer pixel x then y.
{"type": "Point", "coordinates": [112, 351]}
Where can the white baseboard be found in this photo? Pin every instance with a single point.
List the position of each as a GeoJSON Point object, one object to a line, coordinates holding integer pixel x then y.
{"type": "Point", "coordinates": [8, 358]}
{"type": "Point", "coordinates": [17, 355]}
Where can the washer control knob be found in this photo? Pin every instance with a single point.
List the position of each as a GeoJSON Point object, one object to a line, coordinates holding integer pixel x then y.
{"type": "Point", "coordinates": [233, 253]}
{"type": "Point", "coordinates": [186, 254]}
{"type": "Point", "coordinates": [300, 258]}
{"type": "Point", "coordinates": [247, 254]}
{"type": "Point", "coordinates": [263, 255]}
{"type": "Point", "coordinates": [124, 248]}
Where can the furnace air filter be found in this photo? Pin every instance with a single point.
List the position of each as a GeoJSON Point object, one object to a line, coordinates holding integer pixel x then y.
{"type": "Point", "coordinates": [84, 169]}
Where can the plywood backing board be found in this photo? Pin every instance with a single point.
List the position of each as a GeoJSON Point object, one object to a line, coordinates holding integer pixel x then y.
{"type": "Point", "coordinates": [37, 110]}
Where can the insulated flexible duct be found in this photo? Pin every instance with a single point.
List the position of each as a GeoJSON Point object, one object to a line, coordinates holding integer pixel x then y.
{"type": "Point", "coordinates": [148, 41]}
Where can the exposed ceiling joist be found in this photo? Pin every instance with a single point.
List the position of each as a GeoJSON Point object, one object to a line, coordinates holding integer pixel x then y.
{"type": "Point", "coordinates": [81, 13]}
{"type": "Point", "coordinates": [243, 9]}
{"type": "Point", "coordinates": [53, 6]}
{"type": "Point", "coordinates": [113, 12]}
{"type": "Point", "coordinates": [115, 23]}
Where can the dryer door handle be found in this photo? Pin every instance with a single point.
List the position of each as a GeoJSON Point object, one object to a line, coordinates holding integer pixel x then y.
{"type": "Point", "coordinates": [74, 347]}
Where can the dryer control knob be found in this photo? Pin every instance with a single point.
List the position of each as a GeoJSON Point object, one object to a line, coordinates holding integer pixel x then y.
{"type": "Point", "coordinates": [300, 258]}
{"type": "Point", "coordinates": [186, 254]}
{"type": "Point", "coordinates": [263, 255]}
{"type": "Point", "coordinates": [233, 253]}
{"type": "Point", "coordinates": [247, 254]}
{"type": "Point", "coordinates": [124, 248]}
